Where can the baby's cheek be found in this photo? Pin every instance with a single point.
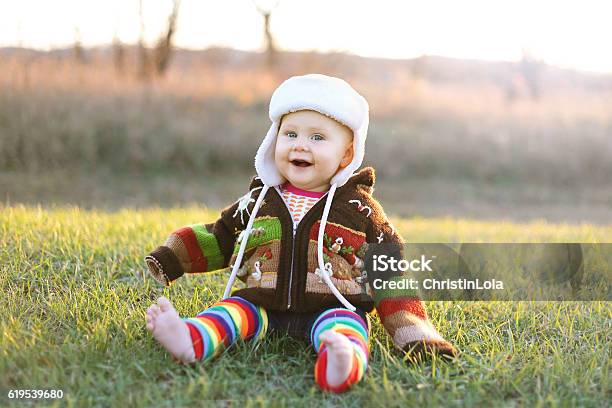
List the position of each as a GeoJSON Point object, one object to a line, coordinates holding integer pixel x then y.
{"type": "Point", "coordinates": [278, 159]}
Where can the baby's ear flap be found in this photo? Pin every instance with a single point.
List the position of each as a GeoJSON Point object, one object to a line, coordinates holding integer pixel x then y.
{"type": "Point", "coordinates": [348, 156]}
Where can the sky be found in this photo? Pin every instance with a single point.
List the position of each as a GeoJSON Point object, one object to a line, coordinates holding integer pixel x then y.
{"type": "Point", "coordinates": [567, 33]}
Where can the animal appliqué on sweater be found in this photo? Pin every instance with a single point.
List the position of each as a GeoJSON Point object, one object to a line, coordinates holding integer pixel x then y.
{"type": "Point", "coordinates": [262, 255]}
{"type": "Point", "coordinates": [345, 243]}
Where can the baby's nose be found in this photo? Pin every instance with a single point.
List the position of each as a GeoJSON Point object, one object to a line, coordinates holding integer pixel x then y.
{"type": "Point", "coordinates": [300, 144]}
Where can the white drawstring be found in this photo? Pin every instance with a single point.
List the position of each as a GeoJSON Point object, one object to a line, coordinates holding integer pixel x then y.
{"type": "Point", "coordinates": [324, 275]}
{"type": "Point", "coordinates": [245, 238]}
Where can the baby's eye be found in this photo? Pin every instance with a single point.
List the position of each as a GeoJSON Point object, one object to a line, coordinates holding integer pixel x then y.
{"type": "Point", "coordinates": [291, 134]}
{"type": "Point", "coordinates": [317, 136]}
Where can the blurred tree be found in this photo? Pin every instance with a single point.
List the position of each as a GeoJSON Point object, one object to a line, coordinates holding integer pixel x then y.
{"type": "Point", "coordinates": [265, 8]}
{"type": "Point", "coordinates": [156, 60]}
{"type": "Point", "coordinates": [79, 53]}
{"type": "Point", "coordinates": [118, 54]}
{"type": "Point", "coordinates": [144, 65]}
{"type": "Point", "coordinates": [530, 69]}
{"type": "Point", "coordinates": [163, 49]}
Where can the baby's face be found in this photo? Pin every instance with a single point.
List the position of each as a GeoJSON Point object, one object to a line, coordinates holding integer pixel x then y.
{"type": "Point", "coordinates": [311, 148]}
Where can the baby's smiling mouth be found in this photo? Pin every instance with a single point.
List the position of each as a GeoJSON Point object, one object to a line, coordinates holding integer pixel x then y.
{"type": "Point", "coordinates": [300, 163]}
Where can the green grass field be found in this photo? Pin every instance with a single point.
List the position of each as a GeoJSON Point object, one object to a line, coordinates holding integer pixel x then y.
{"type": "Point", "coordinates": [75, 294]}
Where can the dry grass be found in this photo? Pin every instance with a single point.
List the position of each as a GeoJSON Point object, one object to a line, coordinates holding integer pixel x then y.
{"type": "Point", "coordinates": [210, 113]}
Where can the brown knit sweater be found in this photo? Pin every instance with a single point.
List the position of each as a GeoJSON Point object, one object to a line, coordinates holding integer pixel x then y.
{"type": "Point", "coordinates": [279, 265]}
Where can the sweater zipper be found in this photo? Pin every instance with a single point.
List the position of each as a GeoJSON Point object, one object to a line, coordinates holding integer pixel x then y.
{"type": "Point", "coordinates": [295, 227]}
{"type": "Point", "coordinates": [291, 268]}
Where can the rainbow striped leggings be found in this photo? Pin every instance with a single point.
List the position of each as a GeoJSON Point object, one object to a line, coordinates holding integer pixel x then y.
{"type": "Point", "coordinates": [222, 324]}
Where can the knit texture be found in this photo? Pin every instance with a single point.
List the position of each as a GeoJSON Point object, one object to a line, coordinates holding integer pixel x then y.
{"type": "Point", "coordinates": [280, 267]}
{"type": "Point", "coordinates": [351, 325]}
{"type": "Point", "coordinates": [221, 325]}
{"type": "Point", "coordinates": [225, 322]}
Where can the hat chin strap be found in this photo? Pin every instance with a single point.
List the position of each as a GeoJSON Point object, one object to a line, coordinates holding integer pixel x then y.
{"type": "Point", "coordinates": [245, 238]}
{"type": "Point", "coordinates": [325, 272]}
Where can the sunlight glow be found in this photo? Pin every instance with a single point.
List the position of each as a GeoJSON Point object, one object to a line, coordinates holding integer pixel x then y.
{"type": "Point", "coordinates": [572, 34]}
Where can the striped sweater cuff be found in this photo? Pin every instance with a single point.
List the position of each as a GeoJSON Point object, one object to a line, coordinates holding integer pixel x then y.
{"type": "Point", "coordinates": [164, 266]}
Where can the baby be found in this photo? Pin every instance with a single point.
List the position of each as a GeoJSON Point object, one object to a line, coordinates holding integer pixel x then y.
{"type": "Point", "coordinates": [297, 240]}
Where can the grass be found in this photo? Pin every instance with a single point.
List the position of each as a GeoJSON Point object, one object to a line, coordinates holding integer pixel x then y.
{"type": "Point", "coordinates": [111, 191]}
{"type": "Point", "coordinates": [75, 293]}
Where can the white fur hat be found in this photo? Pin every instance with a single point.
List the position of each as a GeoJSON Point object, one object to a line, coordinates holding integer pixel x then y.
{"type": "Point", "coordinates": [327, 95]}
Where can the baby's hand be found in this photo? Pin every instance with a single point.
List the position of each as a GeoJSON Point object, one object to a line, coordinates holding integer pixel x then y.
{"type": "Point", "coordinates": [419, 350]}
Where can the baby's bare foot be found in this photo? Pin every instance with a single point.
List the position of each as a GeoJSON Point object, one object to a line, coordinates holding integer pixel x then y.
{"type": "Point", "coordinates": [170, 330]}
{"type": "Point", "coordinates": [339, 357]}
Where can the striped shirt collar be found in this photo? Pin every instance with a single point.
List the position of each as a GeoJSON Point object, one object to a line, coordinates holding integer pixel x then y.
{"type": "Point", "coordinates": [298, 191]}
